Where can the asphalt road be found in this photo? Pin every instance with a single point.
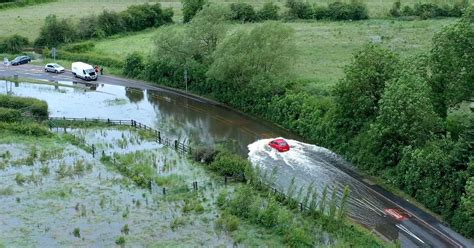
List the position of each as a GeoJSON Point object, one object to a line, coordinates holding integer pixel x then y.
{"type": "Point", "coordinates": [415, 229]}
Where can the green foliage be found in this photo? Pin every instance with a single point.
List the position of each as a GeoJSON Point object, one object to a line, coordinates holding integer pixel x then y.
{"type": "Point", "coordinates": [406, 117]}
{"type": "Point", "coordinates": [55, 32]}
{"type": "Point", "coordinates": [92, 58]}
{"type": "Point", "coordinates": [269, 11]}
{"type": "Point", "coordinates": [451, 56]}
{"type": "Point", "coordinates": [242, 12]}
{"type": "Point", "coordinates": [37, 108]}
{"type": "Point", "coordinates": [79, 47]}
{"type": "Point", "coordinates": [110, 23]}
{"type": "Point", "coordinates": [9, 115]}
{"type": "Point", "coordinates": [120, 241]}
{"type": "Point", "coordinates": [5, 4]}
{"type": "Point", "coordinates": [299, 9]}
{"type": "Point", "coordinates": [347, 11]}
{"type": "Point", "coordinates": [139, 17]}
{"type": "Point", "coordinates": [32, 129]}
{"type": "Point", "coordinates": [191, 7]}
{"type": "Point", "coordinates": [430, 174]}
{"type": "Point", "coordinates": [430, 10]}
{"type": "Point", "coordinates": [133, 65]}
{"type": "Point", "coordinates": [228, 164]}
{"type": "Point", "coordinates": [249, 67]}
{"type": "Point", "coordinates": [357, 95]}
{"type": "Point", "coordinates": [13, 44]}
{"type": "Point", "coordinates": [227, 222]}
{"type": "Point", "coordinates": [76, 232]}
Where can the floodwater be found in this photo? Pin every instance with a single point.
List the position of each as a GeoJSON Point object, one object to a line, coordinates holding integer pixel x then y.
{"type": "Point", "coordinates": [200, 122]}
{"type": "Point", "coordinates": [46, 209]}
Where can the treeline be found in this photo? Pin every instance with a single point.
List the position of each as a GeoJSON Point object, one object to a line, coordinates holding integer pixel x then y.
{"type": "Point", "coordinates": [429, 10]}
{"type": "Point", "coordinates": [57, 31]}
{"type": "Point", "coordinates": [405, 120]}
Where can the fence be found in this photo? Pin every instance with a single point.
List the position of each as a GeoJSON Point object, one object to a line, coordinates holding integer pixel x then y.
{"type": "Point", "coordinates": [56, 122]}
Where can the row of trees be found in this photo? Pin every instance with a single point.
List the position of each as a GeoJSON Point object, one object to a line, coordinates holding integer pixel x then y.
{"type": "Point", "coordinates": [57, 31]}
{"type": "Point", "coordinates": [402, 119]}
{"type": "Point", "coordinates": [429, 10]}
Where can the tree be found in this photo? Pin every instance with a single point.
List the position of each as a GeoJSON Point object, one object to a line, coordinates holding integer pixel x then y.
{"type": "Point", "coordinates": [242, 12]}
{"type": "Point", "coordinates": [191, 7]}
{"type": "Point", "coordinates": [55, 32]}
{"type": "Point", "coordinates": [357, 95]}
{"type": "Point", "coordinates": [452, 60]}
{"type": "Point", "coordinates": [248, 67]}
{"type": "Point", "coordinates": [133, 65]}
{"type": "Point", "coordinates": [14, 44]}
{"type": "Point", "coordinates": [269, 11]}
{"type": "Point", "coordinates": [406, 118]}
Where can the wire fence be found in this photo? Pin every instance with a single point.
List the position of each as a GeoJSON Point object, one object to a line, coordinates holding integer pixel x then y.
{"type": "Point", "coordinates": [63, 122]}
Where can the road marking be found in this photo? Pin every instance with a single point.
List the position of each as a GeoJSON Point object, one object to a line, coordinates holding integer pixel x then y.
{"type": "Point", "coordinates": [403, 228]}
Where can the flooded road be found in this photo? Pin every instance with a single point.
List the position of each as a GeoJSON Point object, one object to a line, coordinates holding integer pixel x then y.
{"type": "Point", "coordinates": [200, 121]}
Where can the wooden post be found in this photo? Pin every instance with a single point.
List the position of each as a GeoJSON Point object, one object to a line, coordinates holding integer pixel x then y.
{"type": "Point", "coordinates": [93, 150]}
{"type": "Point", "coordinates": [176, 144]}
{"type": "Point", "coordinates": [159, 137]}
{"type": "Point", "coordinates": [164, 191]}
{"type": "Point", "coordinates": [225, 180]}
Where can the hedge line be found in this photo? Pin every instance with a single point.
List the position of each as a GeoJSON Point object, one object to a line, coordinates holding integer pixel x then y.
{"type": "Point", "coordinates": [91, 58]}
{"type": "Point", "coordinates": [33, 129]}
{"type": "Point", "coordinates": [9, 115]}
{"type": "Point", "coordinates": [37, 108]}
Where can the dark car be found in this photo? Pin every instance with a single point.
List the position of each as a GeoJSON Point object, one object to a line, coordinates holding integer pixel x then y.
{"type": "Point", "coordinates": [280, 145]}
{"type": "Point", "coordinates": [21, 60]}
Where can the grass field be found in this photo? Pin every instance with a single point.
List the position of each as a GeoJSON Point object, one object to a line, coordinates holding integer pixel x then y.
{"type": "Point", "coordinates": [27, 20]}
{"type": "Point", "coordinates": [323, 47]}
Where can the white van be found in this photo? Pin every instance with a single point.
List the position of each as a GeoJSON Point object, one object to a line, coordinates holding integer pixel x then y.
{"type": "Point", "coordinates": [84, 71]}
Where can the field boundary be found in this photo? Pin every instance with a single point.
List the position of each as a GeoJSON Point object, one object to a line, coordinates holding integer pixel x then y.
{"type": "Point", "coordinates": [63, 122]}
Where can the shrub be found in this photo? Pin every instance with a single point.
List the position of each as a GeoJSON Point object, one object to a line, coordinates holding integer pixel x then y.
{"type": "Point", "coordinates": [344, 11]}
{"type": "Point", "coordinates": [228, 164]}
{"type": "Point", "coordinates": [55, 32]}
{"type": "Point", "coordinates": [37, 108]}
{"type": "Point", "coordinates": [139, 17]}
{"type": "Point", "coordinates": [9, 115]}
{"type": "Point", "coordinates": [242, 12]}
{"type": "Point", "coordinates": [299, 9]}
{"type": "Point", "coordinates": [427, 10]}
{"type": "Point", "coordinates": [269, 11]}
{"type": "Point", "coordinates": [133, 65]}
{"type": "Point", "coordinates": [110, 22]}
{"type": "Point", "coordinates": [204, 155]}
{"type": "Point", "coordinates": [14, 44]}
{"type": "Point", "coordinates": [79, 47]}
{"type": "Point", "coordinates": [228, 222]}
{"type": "Point", "coordinates": [92, 58]}
{"type": "Point", "coordinates": [32, 129]}
{"type": "Point", "coordinates": [191, 7]}
{"type": "Point", "coordinates": [395, 10]}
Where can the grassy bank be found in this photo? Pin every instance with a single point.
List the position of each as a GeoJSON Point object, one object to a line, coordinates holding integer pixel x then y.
{"type": "Point", "coordinates": [324, 48]}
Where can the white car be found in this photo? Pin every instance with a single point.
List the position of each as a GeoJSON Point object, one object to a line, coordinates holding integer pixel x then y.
{"type": "Point", "coordinates": [53, 67]}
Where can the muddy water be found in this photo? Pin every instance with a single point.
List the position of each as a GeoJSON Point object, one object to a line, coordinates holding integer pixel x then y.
{"type": "Point", "coordinates": [179, 117]}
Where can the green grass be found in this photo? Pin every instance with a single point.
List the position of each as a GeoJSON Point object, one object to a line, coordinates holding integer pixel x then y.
{"type": "Point", "coordinates": [28, 20]}
{"type": "Point", "coordinates": [324, 48]}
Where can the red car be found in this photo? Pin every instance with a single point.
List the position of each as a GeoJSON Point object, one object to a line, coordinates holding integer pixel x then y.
{"type": "Point", "coordinates": [280, 145]}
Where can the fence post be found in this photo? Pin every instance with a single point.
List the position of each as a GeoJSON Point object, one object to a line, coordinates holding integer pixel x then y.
{"type": "Point", "coordinates": [159, 137]}
{"type": "Point", "coordinates": [301, 207]}
{"type": "Point", "coordinates": [108, 121]}
{"type": "Point", "coordinates": [93, 150]}
{"type": "Point", "coordinates": [176, 144]}
{"type": "Point", "coordinates": [225, 180]}
{"type": "Point", "coordinates": [164, 191]}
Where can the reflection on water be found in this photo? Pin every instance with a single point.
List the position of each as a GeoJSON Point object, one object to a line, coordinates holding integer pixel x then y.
{"type": "Point", "coordinates": [178, 117]}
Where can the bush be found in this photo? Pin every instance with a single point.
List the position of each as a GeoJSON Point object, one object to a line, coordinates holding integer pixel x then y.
{"type": "Point", "coordinates": [110, 22]}
{"type": "Point", "coordinates": [228, 222]}
{"type": "Point", "coordinates": [139, 17]}
{"type": "Point", "coordinates": [269, 11]}
{"type": "Point", "coordinates": [242, 12]}
{"type": "Point", "coordinates": [13, 44]}
{"type": "Point", "coordinates": [395, 10]}
{"type": "Point", "coordinates": [79, 47]}
{"type": "Point", "coordinates": [91, 58]}
{"type": "Point", "coordinates": [55, 32]}
{"type": "Point", "coordinates": [133, 65]}
{"type": "Point", "coordinates": [204, 155]}
{"type": "Point", "coordinates": [344, 11]}
{"type": "Point", "coordinates": [191, 7]}
{"type": "Point", "coordinates": [37, 108]}
{"type": "Point", "coordinates": [32, 129]}
{"type": "Point", "coordinates": [228, 164]}
{"type": "Point", "coordinates": [9, 115]}
{"type": "Point", "coordinates": [298, 9]}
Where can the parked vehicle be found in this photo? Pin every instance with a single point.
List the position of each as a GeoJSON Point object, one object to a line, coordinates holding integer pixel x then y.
{"type": "Point", "coordinates": [21, 60]}
{"type": "Point", "coordinates": [53, 67]}
{"type": "Point", "coordinates": [84, 71]}
{"type": "Point", "coordinates": [280, 145]}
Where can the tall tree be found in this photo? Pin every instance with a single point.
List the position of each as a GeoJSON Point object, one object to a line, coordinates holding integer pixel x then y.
{"type": "Point", "coordinates": [452, 60]}
{"type": "Point", "coordinates": [406, 118]}
{"type": "Point", "coordinates": [357, 95]}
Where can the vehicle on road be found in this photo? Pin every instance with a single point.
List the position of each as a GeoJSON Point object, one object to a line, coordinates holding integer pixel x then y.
{"type": "Point", "coordinates": [84, 71]}
{"type": "Point", "coordinates": [280, 145]}
{"type": "Point", "coordinates": [53, 67]}
{"type": "Point", "coordinates": [21, 60]}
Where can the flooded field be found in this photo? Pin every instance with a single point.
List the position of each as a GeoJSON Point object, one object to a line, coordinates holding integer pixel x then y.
{"type": "Point", "coordinates": [58, 195]}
